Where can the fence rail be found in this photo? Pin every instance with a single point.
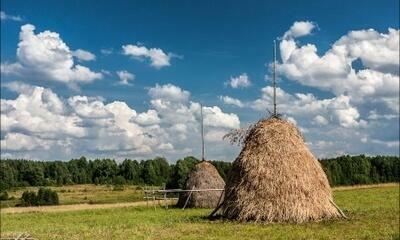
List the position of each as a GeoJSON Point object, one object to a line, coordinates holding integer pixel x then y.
{"type": "Point", "coordinates": [152, 194]}
{"type": "Point", "coordinates": [183, 190]}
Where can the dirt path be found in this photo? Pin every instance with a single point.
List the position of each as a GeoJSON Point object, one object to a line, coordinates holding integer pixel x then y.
{"type": "Point", "coordinates": [78, 207]}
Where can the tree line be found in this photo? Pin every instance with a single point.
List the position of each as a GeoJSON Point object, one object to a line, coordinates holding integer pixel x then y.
{"type": "Point", "coordinates": [344, 170]}
{"type": "Point", "coordinates": [361, 169]}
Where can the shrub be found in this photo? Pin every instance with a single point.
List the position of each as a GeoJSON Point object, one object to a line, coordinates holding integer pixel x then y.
{"type": "Point", "coordinates": [28, 198]}
{"type": "Point", "coordinates": [3, 196]}
{"type": "Point", "coordinates": [119, 180]}
{"type": "Point", "coordinates": [45, 196]}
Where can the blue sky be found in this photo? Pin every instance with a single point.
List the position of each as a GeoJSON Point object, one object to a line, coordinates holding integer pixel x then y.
{"type": "Point", "coordinates": [209, 43]}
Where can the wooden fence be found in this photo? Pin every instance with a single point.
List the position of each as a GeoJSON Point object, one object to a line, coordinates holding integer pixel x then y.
{"type": "Point", "coordinates": [161, 194]}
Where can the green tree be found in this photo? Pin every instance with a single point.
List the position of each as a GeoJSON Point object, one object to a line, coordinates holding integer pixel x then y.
{"type": "Point", "coordinates": [104, 171]}
{"type": "Point", "coordinates": [223, 168]}
{"type": "Point", "coordinates": [131, 171]}
{"type": "Point", "coordinates": [58, 172]}
{"type": "Point", "coordinates": [79, 170]}
{"type": "Point", "coordinates": [149, 173]}
{"type": "Point", "coordinates": [7, 176]}
{"type": "Point", "coordinates": [162, 169]}
{"type": "Point", "coordinates": [33, 174]}
{"type": "Point", "coordinates": [180, 172]}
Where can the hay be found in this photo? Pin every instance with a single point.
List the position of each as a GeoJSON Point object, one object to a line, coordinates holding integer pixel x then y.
{"type": "Point", "coordinates": [203, 176]}
{"type": "Point", "coordinates": [276, 178]}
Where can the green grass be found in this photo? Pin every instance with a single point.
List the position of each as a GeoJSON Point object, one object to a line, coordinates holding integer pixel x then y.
{"type": "Point", "coordinates": [373, 214]}
{"type": "Point", "coordinates": [86, 193]}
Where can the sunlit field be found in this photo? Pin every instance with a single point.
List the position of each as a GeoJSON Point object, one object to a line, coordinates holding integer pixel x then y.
{"type": "Point", "coordinates": [373, 213]}
{"type": "Point", "coordinates": [86, 193]}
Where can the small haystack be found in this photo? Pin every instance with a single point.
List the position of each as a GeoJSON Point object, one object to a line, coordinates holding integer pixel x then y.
{"type": "Point", "coordinates": [276, 178]}
{"type": "Point", "coordinates": [203, 176]}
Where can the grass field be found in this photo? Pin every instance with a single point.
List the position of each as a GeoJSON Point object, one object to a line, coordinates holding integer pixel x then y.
{"type": "Point", "coordinates": [86, 193]}
{"type": "Point", "coordinates": [373, 214]}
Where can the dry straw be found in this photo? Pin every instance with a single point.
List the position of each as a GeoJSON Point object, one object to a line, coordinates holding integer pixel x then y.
{"type": "Point", "coordinates": [276, 178]}
{"type": "Point", "coordinates": [203, 176]}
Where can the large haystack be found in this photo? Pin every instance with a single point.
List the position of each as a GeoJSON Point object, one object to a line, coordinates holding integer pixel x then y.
{"type": "Point", "coordinates": [276, 178]}
{"type": "Point", "coordinates": [203, 176]}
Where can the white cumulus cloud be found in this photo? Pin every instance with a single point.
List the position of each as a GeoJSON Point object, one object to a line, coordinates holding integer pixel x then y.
{"type": "Point", "coordinates": [147, 118]}
{"type": "Point", "coordinates": [231, 101]}
{"type": "Point", "coordinates": [125, 77]}
{"type": "Point", "coordinates": [299, 29]}
{"type": "Point", "coordinates": [4, 16]}
{"type": "Point", "coordinates": [169, 92]}
{"type": "Point", "coordinates": [377, 80]}
{"type": "Point", "coordinates": [360, 75]}
{"type": "Point", "coordinates": [241, 81]}
{"type": "Point", "coordinates": [158, 58]}
{"type": "Point", "coordinates": [45, 56]}
{"type": "Point", "coordinates": [83, 55]}
{"type": "Point", "coordinates": [307, 106]}
{"type": "Point", "coordinates": [40, 124]}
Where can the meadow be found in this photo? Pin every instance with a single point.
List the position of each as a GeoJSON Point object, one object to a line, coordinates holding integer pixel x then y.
{"type": "Point", "coordinates": [84, 193]}
{"type": "Point", "coordinates": [373, 213]}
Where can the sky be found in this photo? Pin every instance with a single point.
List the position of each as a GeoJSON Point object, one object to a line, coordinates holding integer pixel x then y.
{"type": "Point", "coordinates": [126, 79]}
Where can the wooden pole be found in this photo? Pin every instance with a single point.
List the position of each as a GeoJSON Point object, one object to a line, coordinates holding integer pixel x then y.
{"type": "Point", "coordinates": [274, 79]}
{"type": "Point", "coordinates": [187, 200]}
{"type": "Point", "coordinates": [220, 197]}
{"type": "Point", "coordinates": [202, 133]}
{"type": "Point", "coordinates": [154, 200]}
{"type": "Point", "coordinates": [219, 205]}
{"type": "Point", "coordinates": [215, 210]}
{"type": "Point", "coordinates": [165, 197]}
{"type": "Point", "coordinates": [147, 197]}
{"type": "Point", "coordinates": [337, 207]}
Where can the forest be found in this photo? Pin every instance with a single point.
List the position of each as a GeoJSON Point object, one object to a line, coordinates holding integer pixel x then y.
{"type": "Point", "coordinates": [343, 170]}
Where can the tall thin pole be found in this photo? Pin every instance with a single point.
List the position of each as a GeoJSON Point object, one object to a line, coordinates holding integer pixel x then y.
{"type": "Point", "coordinates": [202, 133]}
{"type": "Point", "coordinates": [274, 78]}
